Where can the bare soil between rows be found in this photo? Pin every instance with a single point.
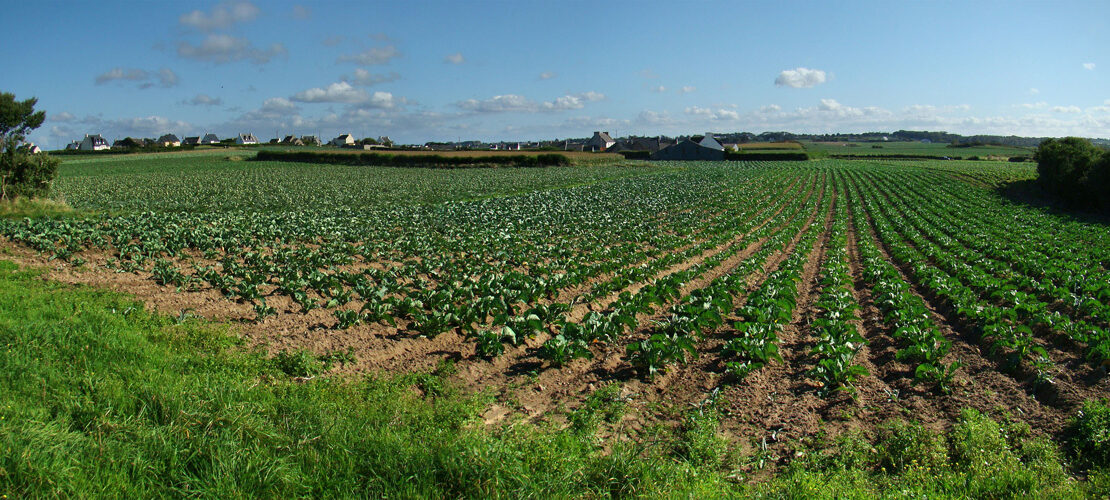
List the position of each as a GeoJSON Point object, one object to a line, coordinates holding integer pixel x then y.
{"type": "Point", "coordinates": [775, 408]}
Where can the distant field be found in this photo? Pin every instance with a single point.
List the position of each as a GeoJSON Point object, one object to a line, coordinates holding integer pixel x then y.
{"type": "Point", "coordinates": [912, 148]}
{"type": "Point", "coordinates": [207, 181]}
{"type": "Point", "coordinates": [762, 146]}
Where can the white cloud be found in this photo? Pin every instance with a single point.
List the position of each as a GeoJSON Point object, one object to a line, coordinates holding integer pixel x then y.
{"type": "Point", "coordinates": [1033, 105]}
{"type": "Point", "coordinates": [456, 58]}
{"type": "Point", "coordinates": [372, 56]}
{"type": "Point", "coordinates": [333, 40]}
{"type": "Point", "coordinates": [518, 103]}
{"type": "Point", "coordinates": [365, 78]}
{"type": "Point", "coordinates": [770, 108]}
{"type": "Point", "coordinates": [547, 75]}
{"type": "Point", "coordinates": [1066, 109]}
{"type": "Point", "coordinates": [165, 77]}
{"type": "Point", "coordinates": [651, 118]}
{"type": "Point", "coordinates": [301, 12]}
{"type": "Point", "coordinates": [1089, 66]}
{"type": "Point", "coordinates": [382, 100]}
{"type": "Point", "coordinates": [687, 89]}
{"type": "Point", "coordinates": [278, 105]}
{"type": "Point", "coordinates": [220, 48]}
{"type": "Point", "coordinates": [223, 16]}
{"type": "Point", "coordinates": [62, 117]}
{"type": "Point", "coordinates": [659, 89]}
{"type": "Point", "coordinates": [336, 92]}
{"type": "Point", "coordinates": [203, 100]}
{"type": "Point", "coordinates": [800, 78]}
{"type": "Point", "coordinates": [707, 113]}
{"type": "Point", "coordinates": [1034, 91]}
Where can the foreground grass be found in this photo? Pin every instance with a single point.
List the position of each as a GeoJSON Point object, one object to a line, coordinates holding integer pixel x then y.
{"type": "Point", "coordinates": [99, 398]}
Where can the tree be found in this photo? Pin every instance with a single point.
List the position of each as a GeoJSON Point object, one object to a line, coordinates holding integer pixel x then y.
{"type": "Point", "coordinates": [1073, 169]}
{"type": "Point", "coordinates": [22, 174]}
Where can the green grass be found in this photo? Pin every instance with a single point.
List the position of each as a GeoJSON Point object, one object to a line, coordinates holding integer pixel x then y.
{"type": "Point", "coordinates": [99, 398]}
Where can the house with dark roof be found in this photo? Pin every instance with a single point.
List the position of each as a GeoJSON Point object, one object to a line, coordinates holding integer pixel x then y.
{"type": "Point", "coordinates": [169, 141]}
{"type": "Point", "coordinates": [93, 143]}
{"type": "Point", "coordinates": [210, 139]}
{"type": "Point", "coordinates": [246, 139]}
{"type": "Point", "coordinates": [292, 140]}
{"type": "Point", "coordinates": [310, 140]}
{"type": "Point", "coordinates": [129, 142]}
{"type": "Point", "coordinates": [697, 148]}
{"type": "Point", "coordinates": [191, 141]}
{"type": "Point", "coordinates": [599, 142]}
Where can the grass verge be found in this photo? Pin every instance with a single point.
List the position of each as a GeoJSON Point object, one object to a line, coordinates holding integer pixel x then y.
{"type": "Point", "coordinates": [100, 398]}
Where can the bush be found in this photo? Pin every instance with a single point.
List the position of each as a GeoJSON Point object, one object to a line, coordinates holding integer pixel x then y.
{"type": "Point", "coordinates": [1090, 434]}
{"type": "Point", "coordinates": [636, 155]}
{"type": "Point", "coordinates": [30, 176]}
{"type": "Point", "coordinates": [1074, 169]}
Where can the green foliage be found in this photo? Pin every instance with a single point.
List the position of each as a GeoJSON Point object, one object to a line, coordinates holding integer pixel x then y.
{"type": "Point", "coordinates": [604, 405]}
{"type": "Point", "coordinates": [22, 174]}
{"type": "Point", "coordinates": [766, 156]}
{"type": "Point", "coordinates": [1074, 169]}
{"type": "Point", "coordinates": [1089, 435]}
{"type": "Point", "coordinates": [904, 445]}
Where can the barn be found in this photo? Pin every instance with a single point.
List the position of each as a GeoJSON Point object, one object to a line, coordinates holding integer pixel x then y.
{"type": "Point", "coordinates": [704, 148]}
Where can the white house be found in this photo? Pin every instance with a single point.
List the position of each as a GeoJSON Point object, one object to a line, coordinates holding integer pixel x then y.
{"type": "Point", "coordinates": [599, 142]}
{"type": "Point", "coordinates": [342, 140]}
{"type": "Point", "coordinates": [93, 143]}
{"type": "Point", "coordinates": [31, 148]}
{"type": "Point", "coordinates": [246, 139]}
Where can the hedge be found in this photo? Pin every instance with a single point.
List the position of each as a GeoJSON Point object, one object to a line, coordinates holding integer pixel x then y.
{"type": "Point", "coordinates": [745, 156]}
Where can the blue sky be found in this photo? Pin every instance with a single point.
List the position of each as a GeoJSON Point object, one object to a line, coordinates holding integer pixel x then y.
{"type": "Point", "coordinates": [422, 71]}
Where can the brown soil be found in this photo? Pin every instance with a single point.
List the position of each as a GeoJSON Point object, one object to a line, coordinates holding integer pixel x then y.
{"type": "Point", "coordinates": [773, 408]}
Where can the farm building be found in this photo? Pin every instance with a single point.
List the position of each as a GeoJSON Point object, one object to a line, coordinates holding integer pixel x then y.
{"type": "Point", "coordinates": [93, 143]}
{"type": "Point", "coordinates": [599, 142]}
{"type": "Point", "coordinates": [651, 144]}
{"type": "Point", "coordinates": [210, 139]}
{"type": "Point", "coordinates": [246, 139]}
{"type": "Point", "coordinates": [704, 148]}
{"type": "Point", "coordinates": [342, 140]}
{"type": "Point", "coordinates": [169, 141]}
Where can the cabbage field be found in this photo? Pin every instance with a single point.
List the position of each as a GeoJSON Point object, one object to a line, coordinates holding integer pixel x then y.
{"type": "Point", "coordinates": [797, 293]}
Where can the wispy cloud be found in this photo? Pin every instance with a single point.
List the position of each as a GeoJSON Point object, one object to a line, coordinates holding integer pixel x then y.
{"type": "Point", "coordinates": [336, 92]}
{"type": "Point", "coordinates": [456, 58]}
{"type": "Point", "coordinates": [659, 89]}
{"type": "Point", "coordinates": [164, 77]}
{"type": "Point", "coordinates": [1089, 66]}
{"type": "Point", "coordinates": [203, 100]}
{"type": "Point", "coordinates": [222, 16]}
{"type": "Point", "coordinates": [547, 75]}
{"type": "Point", "coordinates": [364, 78]}
{"type": "Point", "coordinates": [518, 103]}
{"type": "Point", "coordinates": [372, 56]}
{"type": "Point", "coordinates": [301, 12]}
{"type": "Point", "coordinates": [800, 78]}
{"type": "Point", "coordinates": [221, 48]}
{"type": "Point", "coordinates": [1066, 109]}
{"type": "Point", "coordinates": [687, 89]}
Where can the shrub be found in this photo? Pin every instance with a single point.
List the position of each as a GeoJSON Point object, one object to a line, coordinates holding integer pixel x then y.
{"type": "Point", "coordinates": [904, 445]}
{"type": "Point", "coordinates": [1073, 169]}
{"type": "Point", "coordinates": [1090, 434]}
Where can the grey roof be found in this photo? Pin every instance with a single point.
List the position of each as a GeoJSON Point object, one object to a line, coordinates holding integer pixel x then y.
{"type": "Point", "coordinates": [710, 142]}
{"type": "Point", "coordinates": [210, 138]}
{"type": "Point", "coordinates": [169, 138]}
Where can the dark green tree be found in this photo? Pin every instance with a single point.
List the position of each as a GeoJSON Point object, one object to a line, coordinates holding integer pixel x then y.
{"type": "Point", "coordinates": [1063, 164]}
{"type": "Point", "coordinates": [21, 173]}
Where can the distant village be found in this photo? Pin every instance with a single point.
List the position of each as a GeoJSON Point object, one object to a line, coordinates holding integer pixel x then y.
{"type": "Point", "coordinates": [702, 147]}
